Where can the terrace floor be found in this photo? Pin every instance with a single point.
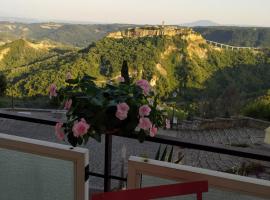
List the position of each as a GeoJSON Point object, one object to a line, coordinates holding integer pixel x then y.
{"type": "Point", "coordinates": [244, 137]}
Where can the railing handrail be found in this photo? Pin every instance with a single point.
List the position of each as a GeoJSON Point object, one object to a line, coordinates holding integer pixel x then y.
{"type": "Point", "coordinates": [32, 119]}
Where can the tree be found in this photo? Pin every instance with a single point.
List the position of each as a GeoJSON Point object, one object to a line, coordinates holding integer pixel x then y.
{"type": "Point", "coordinates": [3, 84]}
{"type": "Point", "coordinates": [230, 101]}
{"type": "Point", "coordinates": [124, 72]}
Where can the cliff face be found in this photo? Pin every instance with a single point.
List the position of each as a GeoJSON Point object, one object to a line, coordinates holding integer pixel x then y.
{"type": "Point", "coordinates": [150, 32]}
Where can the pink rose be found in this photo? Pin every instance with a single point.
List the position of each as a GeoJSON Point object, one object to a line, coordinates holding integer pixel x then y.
{"type": "Point", "coordinates": [153, 131]}
{"type": "Point", "coordinates": [122, 111]}
{"type": "Point", "coordinates": [59, 132]}
{"type": "Point", "coordinates": [80, 128]}
{"type": "Point", "coordinates": [145, 123]}
{"type": "Point", "coordinates": [68, 76]}
{"type": "Point", "coordinates": [121, 115]}
{"type": "Point", "coordinates": [168, 124]}
{"type": "Point", "coordinates": [121, 79]}
{"type": "Point", "coordinates": [144, 85]}
{"type": "Point", "coordinates": [52, 90]}
{"type": "Point", "coordinates": [122, 107]}
{"type": "Point", "coordinates": [68, 104]}
{"type": "Point", "coordinates": [144, 110]}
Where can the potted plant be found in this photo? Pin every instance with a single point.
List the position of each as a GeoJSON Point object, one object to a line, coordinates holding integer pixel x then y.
{"type": "Point", "coordinates": [123, 108]}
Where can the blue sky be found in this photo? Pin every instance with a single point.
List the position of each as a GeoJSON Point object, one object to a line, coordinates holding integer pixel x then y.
{"type": "Point", "coordinates": [241, 12]}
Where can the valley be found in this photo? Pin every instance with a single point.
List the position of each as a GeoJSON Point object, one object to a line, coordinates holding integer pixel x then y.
{"type": "Point", "coordinates": [208, 81]}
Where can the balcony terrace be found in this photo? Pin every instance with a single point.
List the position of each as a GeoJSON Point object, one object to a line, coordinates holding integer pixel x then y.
{"type": "Point", "coordinates": [223, 148]}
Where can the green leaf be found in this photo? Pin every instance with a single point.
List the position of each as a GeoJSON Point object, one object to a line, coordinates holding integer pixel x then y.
{"type": "Point", "coordinates": [88, 78]}
{"type": "Point", "coordinates": [85, 139]}
{"type": "Point", "coordinates": [158, 153]}
{"type": "Point", "coordinates": [110, 87]}
{"type": "Point", "coordinates": [96, 101]}
{"type": "Point", "coordinates": [72, 140]}
{"type": "Point", "coordinates": [164, 154]}
{"type": "Point", "coordinates": [72, 81]}
{"type": "Point", "coordinates": [141, 136]}
{"type": "Point", "coordinates": [170, 155]}
{"type": "Point", "coordinates": [80, 140]}
{"type": "Point", "coordinates": [179, 159]}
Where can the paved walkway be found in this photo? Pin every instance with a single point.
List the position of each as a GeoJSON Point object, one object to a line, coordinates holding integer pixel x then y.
{"type": "Point", "coordinates": [237, 137]}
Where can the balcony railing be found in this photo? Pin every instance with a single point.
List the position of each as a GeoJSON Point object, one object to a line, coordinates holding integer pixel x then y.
{"type": "Point", "coordinates": [144, 173]}
{"type": "Point", "coordinates": [107, 176]}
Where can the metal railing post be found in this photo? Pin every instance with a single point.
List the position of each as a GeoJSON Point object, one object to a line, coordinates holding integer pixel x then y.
{"type": "Point", "coordinates": [107, 162]}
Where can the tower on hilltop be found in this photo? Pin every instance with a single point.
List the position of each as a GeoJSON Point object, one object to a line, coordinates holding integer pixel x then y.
{"type": "Point", "coordinates": [162, 27]}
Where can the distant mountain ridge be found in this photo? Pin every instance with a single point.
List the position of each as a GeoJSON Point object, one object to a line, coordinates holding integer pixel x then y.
{"type": "Point", "coordinates": [200, 23]}
{"type": "Point", "coordinates": [34, 20]}
{"type": "Point", "coordinates": [18, 20]}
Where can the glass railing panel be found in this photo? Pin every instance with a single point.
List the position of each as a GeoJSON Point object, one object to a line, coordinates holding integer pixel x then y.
{"type": "Point", "coordinates": [26, 176]}
{"type": "Point", "coordinates": [212, 194]}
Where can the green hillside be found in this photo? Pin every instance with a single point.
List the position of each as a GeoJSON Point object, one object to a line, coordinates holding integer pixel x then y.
{"type": "Point", "coordinates": [209, 81]}
{"type": "Point", "coordinates": [237, 36]}
{"type": "Point", "coordinates": [78, 35]}
{"type": "Point", "coordinates": [22, 52]}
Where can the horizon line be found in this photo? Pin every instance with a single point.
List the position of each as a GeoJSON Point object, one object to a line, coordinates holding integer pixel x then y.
{"type": "Point", "coordinates": [27, 20]}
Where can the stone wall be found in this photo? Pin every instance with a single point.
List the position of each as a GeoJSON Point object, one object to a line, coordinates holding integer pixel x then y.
{"type": "Point", "coordinates": [258, 124]}
{"type": "Point", "coordinates": [152, 31]}
{"type": "Point", "coordinates": [221, 123]}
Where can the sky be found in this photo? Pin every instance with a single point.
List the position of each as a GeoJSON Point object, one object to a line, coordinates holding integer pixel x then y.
{"type": "Point", "coordinates": [236, 12]}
